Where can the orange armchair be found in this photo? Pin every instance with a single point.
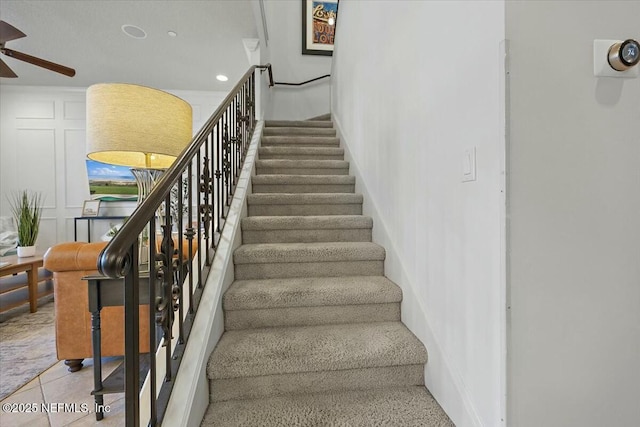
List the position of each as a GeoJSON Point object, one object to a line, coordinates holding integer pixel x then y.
{"type": "Point", "coordinates": [70, 262]}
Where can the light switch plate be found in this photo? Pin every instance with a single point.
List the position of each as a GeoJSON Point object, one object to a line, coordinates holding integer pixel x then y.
{"type": "Point", "coordinates": [601, 67]}
{"type": "Point", "coordinates": [469, 165]}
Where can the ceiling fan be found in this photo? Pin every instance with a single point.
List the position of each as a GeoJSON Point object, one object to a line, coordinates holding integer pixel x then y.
{"type": "Point", "coordinates": [9, 32]}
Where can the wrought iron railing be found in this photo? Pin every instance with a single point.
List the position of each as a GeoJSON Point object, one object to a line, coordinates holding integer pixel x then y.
{"type": "Point", "coordinates": [183, 217]}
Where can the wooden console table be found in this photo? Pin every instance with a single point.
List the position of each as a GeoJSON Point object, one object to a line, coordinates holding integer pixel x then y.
{"type": "Point", "coordinates": [29, 265]}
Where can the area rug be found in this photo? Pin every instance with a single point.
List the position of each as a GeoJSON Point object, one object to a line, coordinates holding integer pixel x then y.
{"type": "Point", "coordinates": [27, 347]}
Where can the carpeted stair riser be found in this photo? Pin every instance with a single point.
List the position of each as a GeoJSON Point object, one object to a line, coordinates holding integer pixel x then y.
{"type": "Point", "coordinates": [303, 188]}
{"type": "Point", "coordinates": [299, 123]}
{"type": "Point", "coordinates": [304, 236]}
{"type": "Point", "coordinates": [304, 204]}
{"type": "Point", "coordinates": [306, 229]}
{"type": "Point", "coordinates": [302, 167]}
{"type": "Point", "coordinates": [300, 141]}
{"type": "Point", "coordinates": [309, 316]}
{"type": "Point", "coordinates": [310, 291]}
{"type": "Point", "coordinates": [301, 153]}
{"type": "Point", "coordinates": [289, 131]}
{"type": "Point", "coordinates": [311, 300]}
{"type": "Point", "coordinates": [299, 269]}
{"type": "Point", "coordinates": [251, 363]}
{"type": "Point", "coordinates": [303, 184]}
{"type": "Point", "coordinates": [327, 259]}
{"type": "Point", "coordinates": [396, 406]}
{"type": "Point", "coordinates": [314, 382]}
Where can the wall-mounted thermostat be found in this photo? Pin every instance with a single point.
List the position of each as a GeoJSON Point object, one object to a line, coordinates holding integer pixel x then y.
{"type": "Point", "coordinates": [616, 58]}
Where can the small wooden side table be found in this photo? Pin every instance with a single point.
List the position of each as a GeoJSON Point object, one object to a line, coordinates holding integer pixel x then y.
{"type": "Point", "coordinates": [29, 265]}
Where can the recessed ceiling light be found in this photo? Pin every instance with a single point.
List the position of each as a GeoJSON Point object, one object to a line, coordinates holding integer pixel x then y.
{"type": "Point", "coordinates": [222, 77]}
{"type": "Point", "coordinates": [172, 33]}
{"type": "Point", "coordinates": [133, 31]}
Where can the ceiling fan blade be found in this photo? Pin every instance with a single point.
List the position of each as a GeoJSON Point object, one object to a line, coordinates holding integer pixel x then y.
{"type": "Point", "coordinates": [40, 62]}
{"type": "Point", "coordinates": [5, 71]}
{"type": "Point", "coordinates": [9, 32]}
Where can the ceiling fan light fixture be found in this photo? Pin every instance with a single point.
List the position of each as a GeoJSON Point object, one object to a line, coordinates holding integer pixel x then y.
{"type": "Point", "coordinates": [134, 31]}
{"type": "Point", "coordinates": [222, 77]}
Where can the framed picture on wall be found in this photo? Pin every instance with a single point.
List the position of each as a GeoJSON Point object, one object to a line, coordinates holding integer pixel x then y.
{"type": "Point", "coordinates": [110, 182]}
{"type": "Point", "coordinates": [91, 208]}
{"type": "Point", "coordinates": [318, 26]}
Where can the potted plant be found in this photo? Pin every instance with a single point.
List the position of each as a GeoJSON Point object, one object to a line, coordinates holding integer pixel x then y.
{"type": "Point", "coordinates": [27, 211]}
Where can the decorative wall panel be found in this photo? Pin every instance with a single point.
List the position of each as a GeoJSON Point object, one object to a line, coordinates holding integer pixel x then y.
{"type": "Point", "coordinates": [35, 110]}
{"type": "Point", "coordinates": [76, 185]}
{"type": "Point", "coordinates": [35, 162]}
{"type": "Point", "coordinates": [74, 110]}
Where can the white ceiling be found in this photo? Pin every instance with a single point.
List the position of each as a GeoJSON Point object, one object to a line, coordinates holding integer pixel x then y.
{"type": "Point", "coordinates": [87, 36]}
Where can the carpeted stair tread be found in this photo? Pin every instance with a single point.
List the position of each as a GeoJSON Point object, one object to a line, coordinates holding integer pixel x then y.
{"type": "Point", "coordinates": [275, 351]}
{"type": "Point", "coordinates": [281, 183]}
{"type": "Point", "coordinates": [276, 179]}
{"type": "Point", "coordinates": [304, 204]}
{"type": "Point", "coordinates": [307, 229]}
{"type": "Point", "coordinates": [300, 164]}
{"type": "Point", "coordinates": [300, 140]}
{"type": "Point", "coordinates": [303, 198]}
{"type": "Point", "coordinates": [267, 253]}
{"type": "Point", "coordinates": [306, 222]}
{"type": "Point", "coordinates": [301, 153]}
{"type": "Point", "coordinates": [326, 116]}
{"type": "Point", "coordinates": [270, 131]}
{"type": "Point", "coordinates": [404, 406]}
{"type": "Point", "coordinates": [299, 123]}
{"type": "Point", "coordinates": [310, 291]}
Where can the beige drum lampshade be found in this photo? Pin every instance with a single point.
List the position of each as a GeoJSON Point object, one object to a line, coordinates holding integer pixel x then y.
{"type": "Point", "coordinates": [136, 126]}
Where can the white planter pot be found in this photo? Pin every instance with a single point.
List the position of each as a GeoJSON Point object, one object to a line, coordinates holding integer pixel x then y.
{"type": "Point", "coordinates": [26, 251]}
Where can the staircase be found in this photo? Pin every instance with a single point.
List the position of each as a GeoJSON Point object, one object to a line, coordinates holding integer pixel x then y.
{"type": "Point", "coordinates": [313, 332]}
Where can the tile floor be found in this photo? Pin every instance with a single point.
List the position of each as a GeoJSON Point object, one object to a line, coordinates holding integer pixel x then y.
{"type": "Point", "coordinates": [57, 386]}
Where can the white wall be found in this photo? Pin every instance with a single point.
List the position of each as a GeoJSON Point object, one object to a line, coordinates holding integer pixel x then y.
{"type": "Point", "coordinates": [575, 219]}
{"type": "Point", "coordinates": [414, 85]}
{"type": "Point", "coordinates": [284, 50]}
{"type": "Point", "coordinates": [42, 148]}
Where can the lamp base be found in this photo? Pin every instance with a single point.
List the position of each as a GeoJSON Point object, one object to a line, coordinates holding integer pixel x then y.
{"type": "Point", "coordinates": [146, 180]}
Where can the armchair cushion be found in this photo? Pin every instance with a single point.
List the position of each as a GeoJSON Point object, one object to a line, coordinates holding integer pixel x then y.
{"type": "Point", "coordinates": [70, 262]}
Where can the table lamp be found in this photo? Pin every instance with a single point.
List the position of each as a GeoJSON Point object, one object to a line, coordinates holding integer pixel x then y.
{"type": "Point", "coordinates": [136, 126]}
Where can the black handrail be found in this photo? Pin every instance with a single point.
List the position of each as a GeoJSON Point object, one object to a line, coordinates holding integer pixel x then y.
{"type": "Point", "coordinates": [274, 83]}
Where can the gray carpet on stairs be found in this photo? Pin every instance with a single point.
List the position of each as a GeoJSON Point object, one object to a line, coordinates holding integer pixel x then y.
{"type": "Point", "coordinates": [313, 335]}
{"type": "Point", "coordinates": [395, 407]}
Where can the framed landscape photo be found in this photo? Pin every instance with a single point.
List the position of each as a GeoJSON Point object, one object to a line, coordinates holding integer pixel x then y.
{"type": "Point", "coordinates": [110, 182]}
{"type": "Point", "coordinates": [318, 26]}
{"type": "Point", "coordinates": [90, 208]}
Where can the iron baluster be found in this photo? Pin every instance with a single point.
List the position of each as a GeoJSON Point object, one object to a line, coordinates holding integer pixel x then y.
{"type": "Point", "coordinates": [205, 189]}
{"type": "Point", "coordinates": [152, 319]}
{"type": "Point", "coordinates": [190, 233]}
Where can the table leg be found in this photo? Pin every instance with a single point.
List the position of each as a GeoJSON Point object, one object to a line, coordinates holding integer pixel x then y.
{"type": "Point", "coordinates": [94, 307]}
{"type": "Point", "coordinates": [32, 278]}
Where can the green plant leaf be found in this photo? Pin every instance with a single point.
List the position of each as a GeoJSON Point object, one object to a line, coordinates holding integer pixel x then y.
{"type": "Point", "coordinates": [26, 207]}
